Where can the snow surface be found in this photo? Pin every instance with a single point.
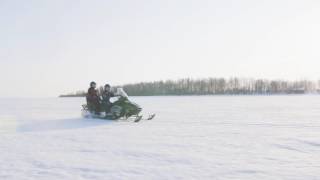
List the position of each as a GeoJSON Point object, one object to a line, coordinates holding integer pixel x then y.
{"type": "Point", "coordinates": [208, 137]}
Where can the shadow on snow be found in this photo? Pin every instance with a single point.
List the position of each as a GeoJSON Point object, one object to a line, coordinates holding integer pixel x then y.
{"type": "Point", "coordinates": [61, 124]}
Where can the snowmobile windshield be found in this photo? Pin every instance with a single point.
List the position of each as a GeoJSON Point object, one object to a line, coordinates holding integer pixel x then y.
{"type": "Point", "coordinates": [122, 93]}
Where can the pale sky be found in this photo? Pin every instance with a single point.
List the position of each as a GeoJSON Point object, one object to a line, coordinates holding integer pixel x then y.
{"type": "Point", "coordinates": [49, 47]}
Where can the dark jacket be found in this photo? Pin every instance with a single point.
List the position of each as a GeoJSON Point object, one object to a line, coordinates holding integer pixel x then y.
{"type": "Point", "coordinates": [92, 95]}
{"type": "Point", "coordinates": [106, 96]}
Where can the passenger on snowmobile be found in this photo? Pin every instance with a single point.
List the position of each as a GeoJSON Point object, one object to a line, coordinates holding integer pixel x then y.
{"type": "Point", "coordinates": [106, 95]}
{"type": "Point", "coordinates": [93, 99]}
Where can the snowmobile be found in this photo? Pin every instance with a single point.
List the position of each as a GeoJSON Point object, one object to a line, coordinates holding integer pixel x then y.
{"type": "Point", "coordinates": [122, 108]}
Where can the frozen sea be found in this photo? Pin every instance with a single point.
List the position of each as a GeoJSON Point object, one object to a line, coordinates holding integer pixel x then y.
{"type": "Point", "coordinates": [192, 137]}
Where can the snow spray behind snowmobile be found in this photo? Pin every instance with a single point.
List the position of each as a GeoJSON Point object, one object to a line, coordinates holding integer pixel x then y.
{"type": "Point", "coordinates": [123, 108]}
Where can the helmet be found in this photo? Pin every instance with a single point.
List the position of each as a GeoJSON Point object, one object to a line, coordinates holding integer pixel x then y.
{"type": "Point", "coordinates": [93, 83]}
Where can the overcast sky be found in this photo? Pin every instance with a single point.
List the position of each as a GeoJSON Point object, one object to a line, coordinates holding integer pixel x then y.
{"type": "Point", "coordinates": [52, 47]}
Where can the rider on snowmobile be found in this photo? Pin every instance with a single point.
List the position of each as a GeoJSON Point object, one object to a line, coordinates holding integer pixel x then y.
{"type": "Point", "coordinates": [107, 94]}
{"type": "Point", "coordinates": [93, 99]}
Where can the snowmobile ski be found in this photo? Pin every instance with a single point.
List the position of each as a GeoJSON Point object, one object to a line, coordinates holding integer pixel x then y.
{"type": "Point", "coordinates": [138, 118]}
{"type": "Point", "coordinates": [151, 116]}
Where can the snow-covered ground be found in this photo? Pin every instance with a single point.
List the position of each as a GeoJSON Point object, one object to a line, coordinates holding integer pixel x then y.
{"type": "Point", "coordinates": [219, 137]}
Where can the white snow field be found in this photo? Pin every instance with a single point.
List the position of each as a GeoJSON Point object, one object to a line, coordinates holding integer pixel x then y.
{"type": "Point", "coordinates": [207, 137]}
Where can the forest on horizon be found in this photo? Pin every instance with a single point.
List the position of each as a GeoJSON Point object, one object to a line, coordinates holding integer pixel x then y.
{"type": "Point", "coordinates": [215, 86]}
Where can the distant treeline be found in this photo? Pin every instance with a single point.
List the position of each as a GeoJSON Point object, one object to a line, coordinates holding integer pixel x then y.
{"type": "Point", "coordinates": [217, 86]}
